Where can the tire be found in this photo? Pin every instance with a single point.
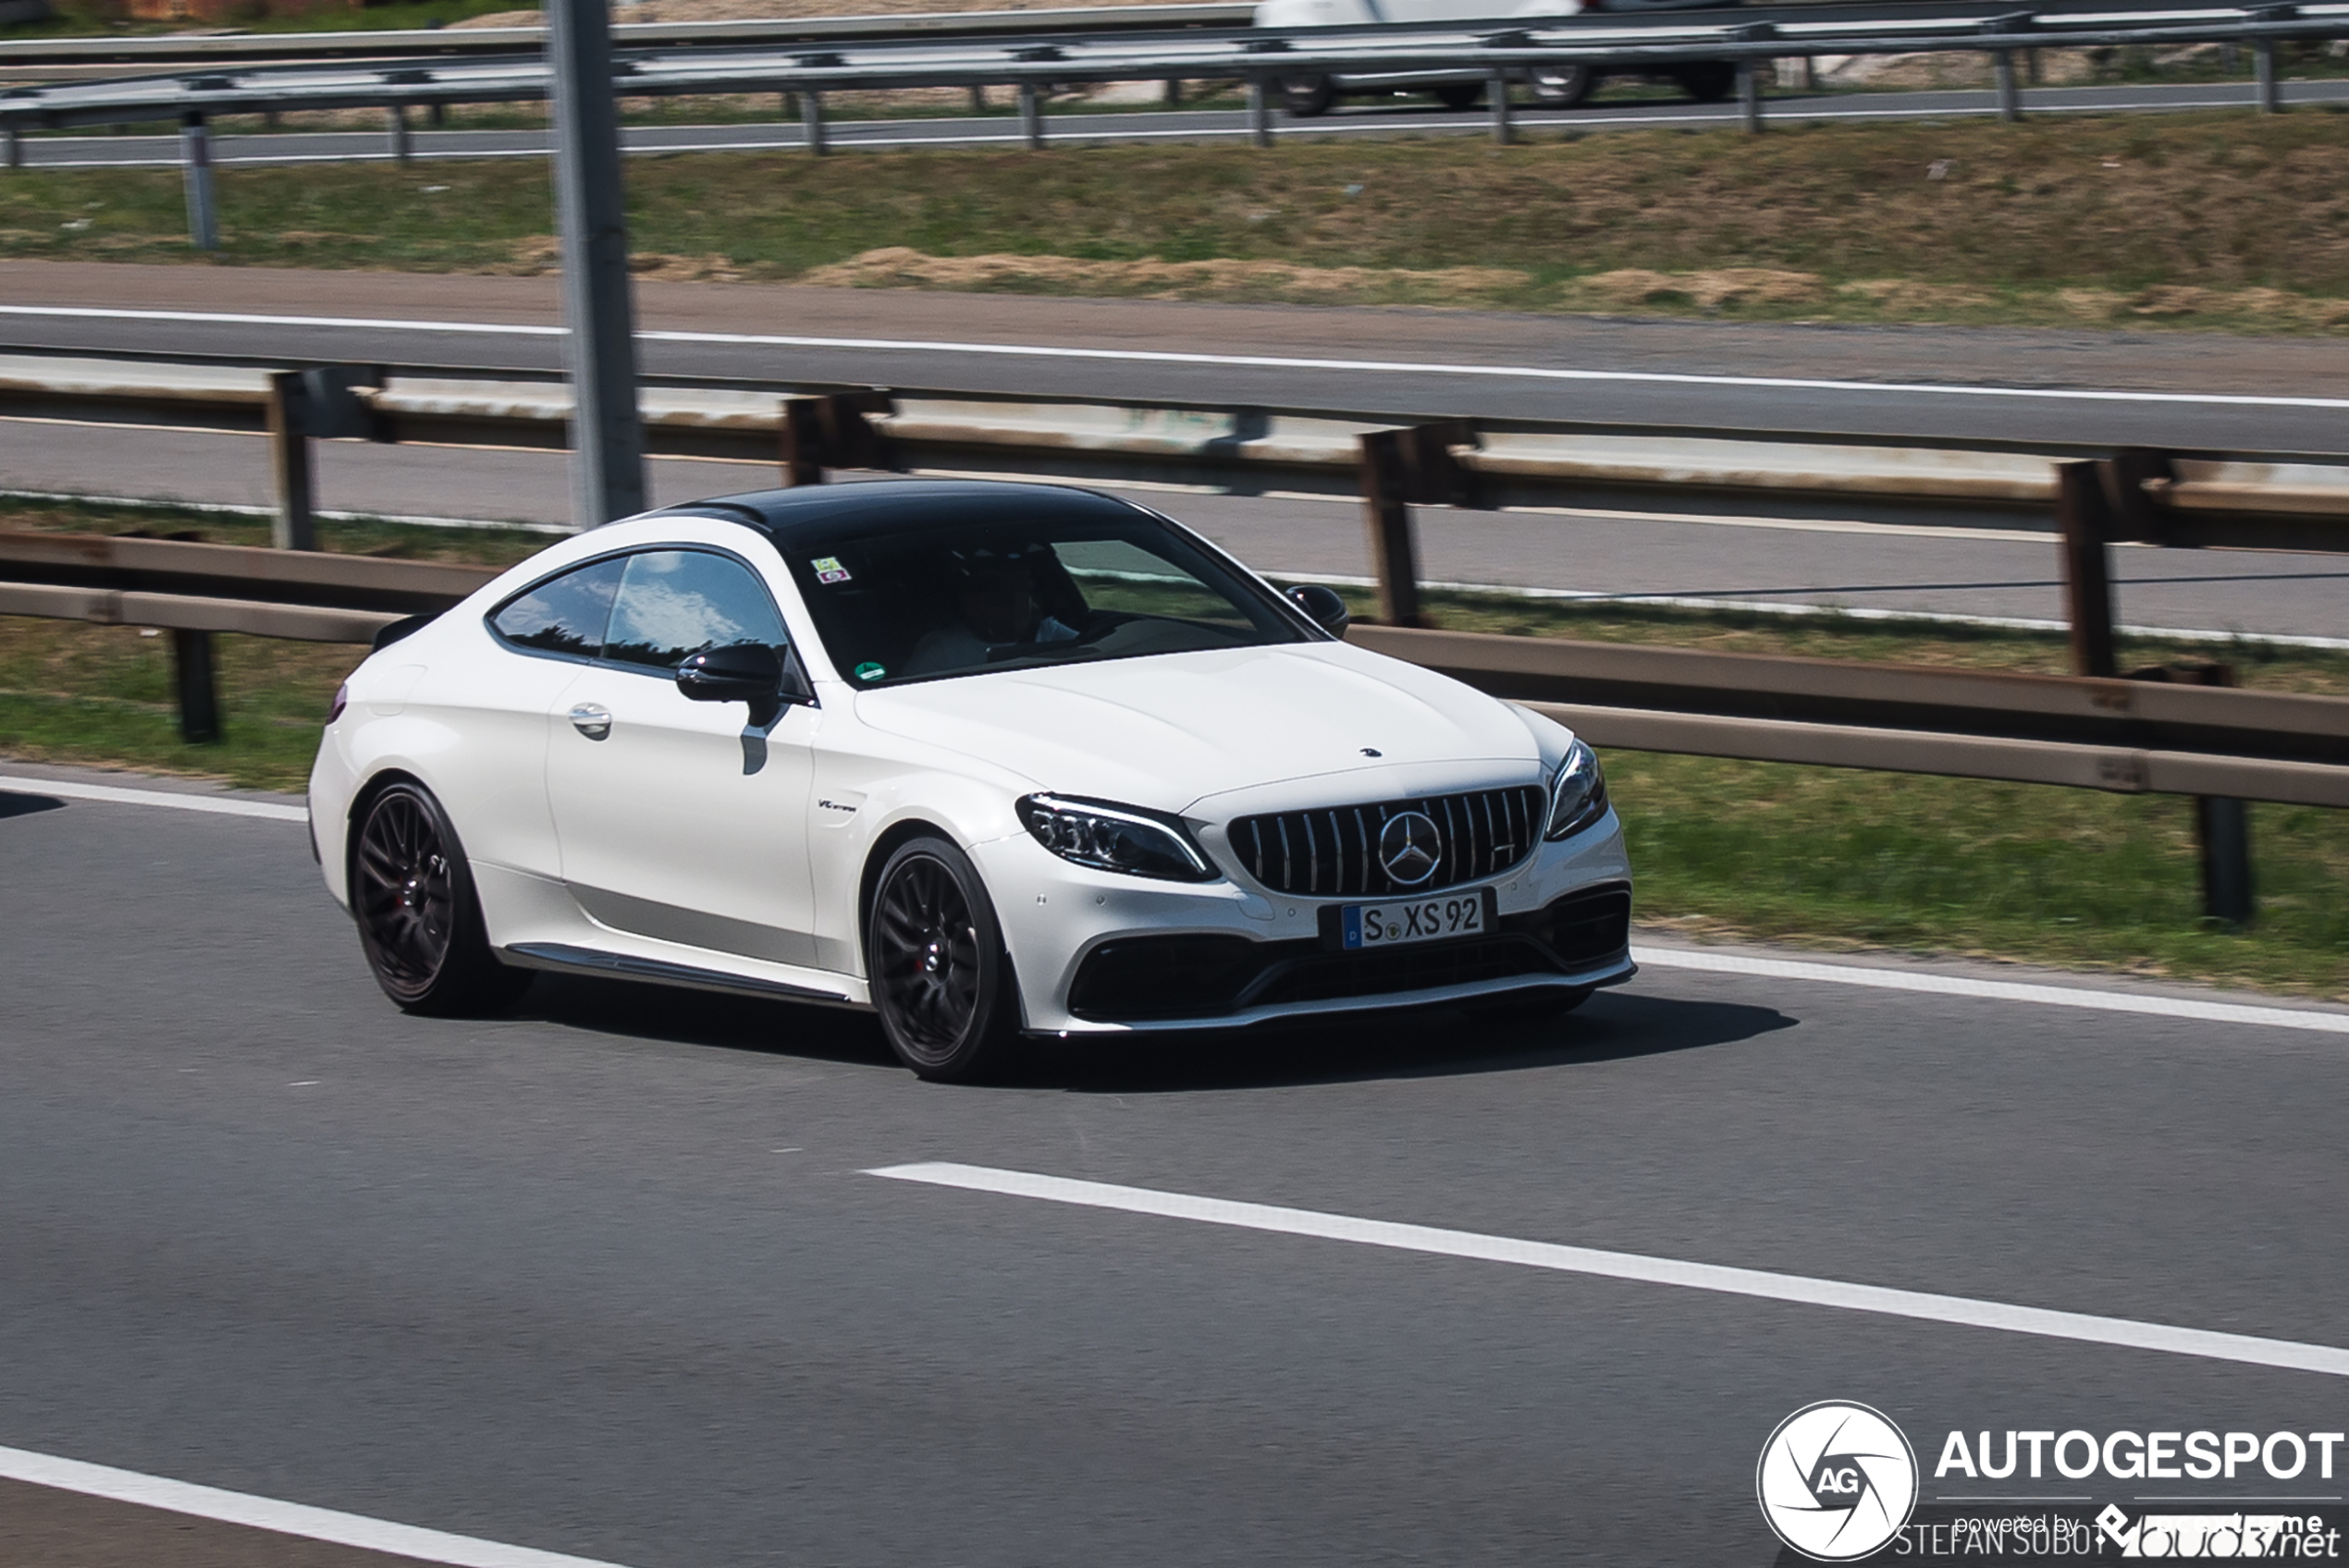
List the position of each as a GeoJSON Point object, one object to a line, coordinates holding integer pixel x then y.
{"type": "Point", "coordinates": [1306, 97]}
{"type": "Point", "coordinates": [1459, 96]}
{"type": "Point", "coordinates": [941, 981]}
{"type": "Point", "coordinates": [411, 894]}
{"type": "Point", "coordinates": [1529, 1007]}
{"type": "Point", "coordinates": [1564, 87]}
{"type": "Point", "coordinates": [1707, 82]}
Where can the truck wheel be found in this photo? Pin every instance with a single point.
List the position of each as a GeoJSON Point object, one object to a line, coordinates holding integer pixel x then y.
{"type": "Point", "coordinates": [1563, 87]}
{"type": "Point", "coordinates": [1707, 82]}
{"type": "Point", "coordinates": [1307, 96]}
{"type": "Point", "coordinates": [1460, 96]}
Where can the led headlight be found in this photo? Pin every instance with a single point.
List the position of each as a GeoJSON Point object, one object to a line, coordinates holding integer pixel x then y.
{"type": "Point", "coordinates": [1578, 796]}
{"type": "Point", "coordinates": [1115, 838]}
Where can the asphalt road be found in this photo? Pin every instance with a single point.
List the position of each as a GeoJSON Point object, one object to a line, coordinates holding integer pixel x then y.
{"type": "Point", "coordinates": [609, 1276]}
{"type": "Point", "coordinates": [1358, 118]}
{"type": "Point", "coordinates": [2172, 389]}
{"type": "Point", "coordinates": [1666, 554]}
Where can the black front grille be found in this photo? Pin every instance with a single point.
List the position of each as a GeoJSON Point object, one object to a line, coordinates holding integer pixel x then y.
{"type": "Point", "coordinates": [1334, 853]}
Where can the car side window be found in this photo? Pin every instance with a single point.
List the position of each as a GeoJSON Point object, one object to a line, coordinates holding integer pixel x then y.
{"type": "Point", "coordinates": [675, 603]}
{"type": "Point", "coordinates": [565, 614]}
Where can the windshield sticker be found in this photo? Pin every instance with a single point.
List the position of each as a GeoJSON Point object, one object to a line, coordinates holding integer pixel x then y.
{"type": "Point", "coordinates": [828, 570]}
{"type": "Point", "coordinates": [869, 670]}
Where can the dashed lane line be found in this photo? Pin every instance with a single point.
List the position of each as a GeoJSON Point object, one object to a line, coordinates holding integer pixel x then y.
{"type": "Point", "coordinates": [281, 1518]}
{"type": "Point", "coordinates": [1962, 1311]}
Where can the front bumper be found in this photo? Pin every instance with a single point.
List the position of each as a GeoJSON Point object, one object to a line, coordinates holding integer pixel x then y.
{"type": "Point", "coordinates": [1099, 953]}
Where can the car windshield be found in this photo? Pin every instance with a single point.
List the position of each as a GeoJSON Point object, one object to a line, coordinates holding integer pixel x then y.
{"type": "Point", "coordinates": [923, 604]}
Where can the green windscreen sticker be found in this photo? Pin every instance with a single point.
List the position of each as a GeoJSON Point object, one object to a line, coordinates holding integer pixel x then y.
{"type": "Point", "coordinates": [869, 670]}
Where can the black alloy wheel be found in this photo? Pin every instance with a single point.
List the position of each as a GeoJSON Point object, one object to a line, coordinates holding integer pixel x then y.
{"type": "Point", "coordinates": [941, 982]}
{"type": "Point", "coordinates": [412, 896]}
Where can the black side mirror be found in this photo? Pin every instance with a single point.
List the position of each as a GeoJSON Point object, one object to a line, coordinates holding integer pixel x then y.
{"type": "Point", "coordinates": [1322, 606]}
{"type": "Point", "coordinates": [746, 672]}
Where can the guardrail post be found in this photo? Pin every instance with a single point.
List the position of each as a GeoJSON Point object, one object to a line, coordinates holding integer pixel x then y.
{"type": "Point", "coordinates": [1749, 95]}
{"type": "Point", "coordinates": [437, 115]}
{"type": "Point", "coordinates": [811, 120]}
{"type": "Point", "coordinates": [396, 122]}
{"type": "Point", "coordinates": [1031, 117]}
{"type": "Point", "coordinates": [1401, 468]}
{"type": "Point", "coordinates": [2223, 828]}
{"type": "Point", "coordinates": [1497, 89]}
{"type": "Point", "coordinates": [296, 525]}
{"type": "Point", "coordinates": [11, 148]}
{"type": "Point", "coordinates": [199, 689]}
{"type": "Point", "coordinates": [2263, 69]}
{"type": "Point", "coordinates": [834, 431]}
{"type": "Point", "coordinates": [1260, 112]}
{"type": "Point", "coordinates": [2086, 519]}
{"type": "Point", "coordinates": [979, 98]}
{"type": "Point", "coordinates": [2009, 95]}
{"type": "Point", "coordinates": [1173, 98]}
{"type": "Point", "coordinates": [195, 153]}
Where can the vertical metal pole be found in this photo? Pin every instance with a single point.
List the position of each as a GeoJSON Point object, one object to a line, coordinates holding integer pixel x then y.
{"type": "Point", "coordinates": [979, 98]}
{"type": "Point", "coordinates": [1173, 98]}
{"type": "Point", "coordinates": [2263, 66]}
{"type": "Point", "coordinates": [195, 151]}
{"type": "Point", "coordinates": [199, 690]}
{"type": "Point", "coordinates": [1260, 112]}
{"type": "Point", "coordinates": [608, 463]}
{"type": "Point", "coordinates": [1386, 518]}
{"type": "Point", "coordinates": [1498, 90]}
{"type": "Point", "coordinates": [1749, 95]}
{"type": "Point", "coordinates": [1809, 73]}
{"type": "Point", "coordinates": [11, 148]}
{"type": "Point", "coordinates": [811, 121]}
{"type": "Point", "coordinates": [1031, 117]}
{"type": "Point", "coordinates": [296, 525]}
{"type": "Point", "coordinates": [396, 121]}
{"type": "Point", "coordinates": [2082, 513]}
{"type": "Point", "coordinates": [2009, 95]}
{"type": "Point", "coordinates": [436, 116]}
{"type": "Point", "coordinates": [2224, 827]}
{"type": "Point", "coordinates": [2229, 57]}
{"type": "Point", "coordinates": [2033, 70]}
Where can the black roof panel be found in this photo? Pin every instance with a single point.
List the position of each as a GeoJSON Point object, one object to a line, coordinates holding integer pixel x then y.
{"type": "Point", "coordinates": [810, 512]}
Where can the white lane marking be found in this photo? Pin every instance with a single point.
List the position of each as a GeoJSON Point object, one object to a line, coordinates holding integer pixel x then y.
{"type": "Point", "coordinates": [1962, 1311]}
{"type": "Point", "coordinates": [113, 796]}
{"type": "Point", "coordinates": [1715, 961]}
{"type": "Point", "coordinates": [279, 1518]}
{"type": "Point", "coordinates": [1241, 361]}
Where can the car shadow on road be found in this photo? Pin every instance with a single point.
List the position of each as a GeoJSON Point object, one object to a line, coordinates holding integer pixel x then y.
{"type": "Point", "coordinates": [1423, 1043]}
{"type": "Point", "coordinates": [1419, 1043]}
{"type": "Point", "coordinates": [13, 805]}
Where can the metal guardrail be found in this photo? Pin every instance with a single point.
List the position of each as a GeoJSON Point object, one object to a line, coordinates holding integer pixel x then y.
{"type": "Point", "coordinates": [445, 44]}
{"type": "Point", "coordinates": [1502, 50]}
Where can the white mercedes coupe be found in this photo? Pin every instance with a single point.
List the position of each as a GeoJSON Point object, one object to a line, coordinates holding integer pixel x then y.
{"type": "Point", "coordinates": [988, 759]}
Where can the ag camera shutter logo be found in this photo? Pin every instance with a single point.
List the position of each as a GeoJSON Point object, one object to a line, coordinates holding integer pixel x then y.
{"type": "Point", "coordinates": [1837, 1480]}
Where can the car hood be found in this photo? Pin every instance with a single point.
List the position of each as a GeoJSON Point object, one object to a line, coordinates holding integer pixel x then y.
{"type": "Point", "coordinates": [1166, 731]}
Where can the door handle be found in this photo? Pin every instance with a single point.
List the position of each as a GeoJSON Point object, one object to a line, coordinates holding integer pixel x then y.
{"type": "Point", "coordinates": [591, 721]}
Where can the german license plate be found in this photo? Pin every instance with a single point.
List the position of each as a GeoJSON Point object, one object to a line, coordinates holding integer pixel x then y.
{"type": "Point", "coordinates": [1399, 922]}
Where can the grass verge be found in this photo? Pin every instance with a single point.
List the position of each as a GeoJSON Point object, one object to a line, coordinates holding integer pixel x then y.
{"type": "Point", "coordinates": [2216, 219]}
{"type": "Point", "coordinates": [1816, 856]}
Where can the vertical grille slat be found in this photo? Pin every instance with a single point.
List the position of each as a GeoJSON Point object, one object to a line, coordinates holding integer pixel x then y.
{"type": "Point", "coordinates": [1332, 852]}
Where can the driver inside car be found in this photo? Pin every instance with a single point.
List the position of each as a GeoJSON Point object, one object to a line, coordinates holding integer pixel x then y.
{"type": "Point", "coordinates": [995, 593]}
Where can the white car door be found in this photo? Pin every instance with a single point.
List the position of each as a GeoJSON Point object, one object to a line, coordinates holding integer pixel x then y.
{"type": "Point", "coordinates": [680, 820]}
